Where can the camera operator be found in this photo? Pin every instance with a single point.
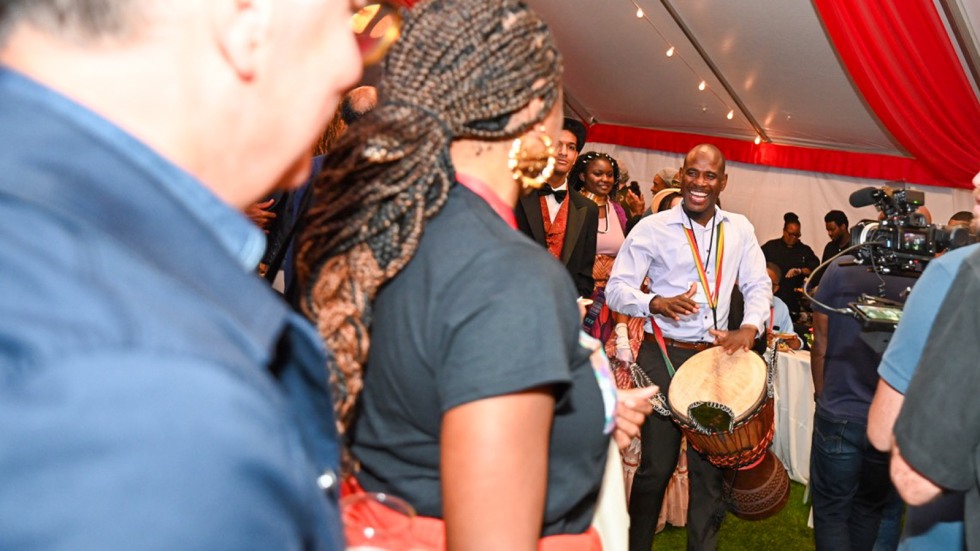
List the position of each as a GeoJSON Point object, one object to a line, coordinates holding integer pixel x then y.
{"type": "Point", "coordinates": [848, 477]}
{"type": "Point", "coordinates": [897, 249]}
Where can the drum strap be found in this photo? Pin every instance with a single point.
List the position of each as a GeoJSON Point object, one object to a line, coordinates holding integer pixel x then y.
{"type": "Point", "coordinates": [663, 347]}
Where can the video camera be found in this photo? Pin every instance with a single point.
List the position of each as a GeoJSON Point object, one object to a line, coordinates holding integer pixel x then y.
{"type": "Point", "coordinates": [902, 242]}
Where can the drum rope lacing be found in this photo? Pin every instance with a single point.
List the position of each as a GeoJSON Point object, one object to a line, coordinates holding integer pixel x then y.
{"type": "Point", "coordinates": [640, 379]}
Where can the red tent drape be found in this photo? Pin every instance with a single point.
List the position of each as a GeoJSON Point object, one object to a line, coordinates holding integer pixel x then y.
{"type": "Point", "coordinates": [900, 57]}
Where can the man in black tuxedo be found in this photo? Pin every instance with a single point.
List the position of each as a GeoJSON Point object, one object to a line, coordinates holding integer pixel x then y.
{"type": "Point", "coordinates": [573, 221]}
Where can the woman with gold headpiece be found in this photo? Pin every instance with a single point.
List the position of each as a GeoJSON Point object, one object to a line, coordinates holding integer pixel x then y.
{"type": "Point", "coordinates": [597, 176]}
{"type": "Point", "coordinates": [456, 337]}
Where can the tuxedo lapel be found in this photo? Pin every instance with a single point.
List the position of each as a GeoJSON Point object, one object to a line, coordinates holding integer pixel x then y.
{"type": "Point", "coordinates": [576, 219]}
{"type": "Point", "coordinates": [531, 207]}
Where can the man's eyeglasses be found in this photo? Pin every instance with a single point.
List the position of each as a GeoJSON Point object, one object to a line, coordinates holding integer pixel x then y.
{"type": "Point", "coordinates": [377, 25]}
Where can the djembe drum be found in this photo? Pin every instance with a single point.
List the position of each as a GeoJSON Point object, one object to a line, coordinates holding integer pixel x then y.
{"type": "Point", "coordinates": [723, 404]}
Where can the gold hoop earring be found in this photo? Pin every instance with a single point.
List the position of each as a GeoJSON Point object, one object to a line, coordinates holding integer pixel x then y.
{"type": "Point", "coordinates": [531, 165]}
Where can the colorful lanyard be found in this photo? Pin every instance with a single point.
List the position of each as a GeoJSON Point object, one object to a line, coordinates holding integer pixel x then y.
{"type": "Point", "coordinates": [712, 298]}
{"type": "Point", "coordinates": [719, 258]}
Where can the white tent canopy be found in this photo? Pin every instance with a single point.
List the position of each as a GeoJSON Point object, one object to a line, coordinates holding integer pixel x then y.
{"type": "Point", "coordinates": [772, 64]}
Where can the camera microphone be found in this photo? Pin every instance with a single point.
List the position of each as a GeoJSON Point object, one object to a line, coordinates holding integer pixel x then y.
{"type": "Point", "coordinates": [865, 197]}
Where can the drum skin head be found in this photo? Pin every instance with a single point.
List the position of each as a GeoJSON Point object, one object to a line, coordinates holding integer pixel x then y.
{"type": "Point", "coordinates": [737, 381]}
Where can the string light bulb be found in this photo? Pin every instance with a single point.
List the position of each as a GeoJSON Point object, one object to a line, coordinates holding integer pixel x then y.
{"type": "Point", "coordinates": [702, 83]}
{"type": "Point", "coordinates": [758, 140]}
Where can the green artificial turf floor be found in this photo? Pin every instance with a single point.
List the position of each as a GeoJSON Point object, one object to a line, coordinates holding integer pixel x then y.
{"type": "Point", "coordinates": [786, 531]}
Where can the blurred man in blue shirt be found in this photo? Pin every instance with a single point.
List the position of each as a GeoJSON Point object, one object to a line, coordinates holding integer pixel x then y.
{"type": "Point", "coordinates": [154, 393]}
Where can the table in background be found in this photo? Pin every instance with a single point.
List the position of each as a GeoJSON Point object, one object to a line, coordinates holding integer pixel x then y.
{"type": "Point", "coordinates": [793, 388]}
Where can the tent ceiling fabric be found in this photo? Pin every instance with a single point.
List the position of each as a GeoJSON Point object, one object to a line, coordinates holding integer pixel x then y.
{"type": "Point", "coordinates": [776, 57]}
{"type": "Point", "coordinates": [774, 54]}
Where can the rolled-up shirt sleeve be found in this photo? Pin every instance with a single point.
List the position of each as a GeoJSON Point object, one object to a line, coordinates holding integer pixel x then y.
{"type": "Point", "coordinates": [623, 292]}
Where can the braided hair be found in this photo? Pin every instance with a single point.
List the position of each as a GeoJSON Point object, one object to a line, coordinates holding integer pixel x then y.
{"type": "Point", "coordinates": [459, 71]}
{"type": "Point", "coordinates": [582, 164]}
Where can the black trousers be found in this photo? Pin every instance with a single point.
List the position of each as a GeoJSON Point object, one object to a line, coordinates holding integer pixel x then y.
{"type": "Point", "coordinates": [661, 439]}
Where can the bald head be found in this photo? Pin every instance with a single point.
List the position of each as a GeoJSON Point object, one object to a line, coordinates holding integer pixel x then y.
{"type": "Point", "coordinates": [710, 151]}
{"type": "Point", "coordinates": [961, 218]}
{"type": "Point", "coordinates": [703, 179]}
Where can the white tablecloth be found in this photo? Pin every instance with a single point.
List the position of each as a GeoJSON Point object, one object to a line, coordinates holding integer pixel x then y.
{"type": "Point", "coordinates": [793, 387]}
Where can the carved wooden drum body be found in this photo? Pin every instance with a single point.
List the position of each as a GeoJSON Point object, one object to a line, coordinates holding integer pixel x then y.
{"type": "Point", "coordinates": [724, 406]}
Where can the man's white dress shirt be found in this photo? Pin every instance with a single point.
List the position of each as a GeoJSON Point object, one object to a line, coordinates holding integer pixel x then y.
{"type": "Point", "coordinates": [657, 248]}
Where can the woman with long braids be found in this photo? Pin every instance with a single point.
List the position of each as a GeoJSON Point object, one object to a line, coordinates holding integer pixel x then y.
{"type": "Point", "coordinates": [456, 337]}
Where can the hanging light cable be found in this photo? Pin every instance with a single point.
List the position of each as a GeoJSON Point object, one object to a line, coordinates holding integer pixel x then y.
{"type": "Point", "coordinates": [702, 84]}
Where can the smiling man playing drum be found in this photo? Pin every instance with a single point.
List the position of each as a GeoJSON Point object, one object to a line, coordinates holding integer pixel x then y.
{"type": "Point", "coordinates": [693, 254]}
